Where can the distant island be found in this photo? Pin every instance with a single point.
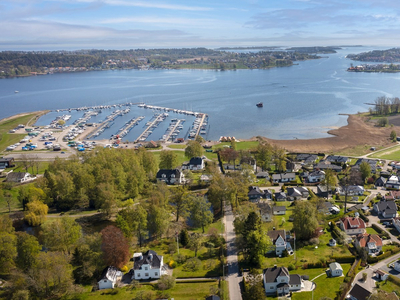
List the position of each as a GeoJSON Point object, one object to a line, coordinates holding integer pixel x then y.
{"type": "Point", "coordinates": [249, 48]}
{"type": "Point", "coordinates": [20, 63]}
{"type": "Point", "coordinates": [379, 68]}
{"type": "Point", "coordinates": [321, 50]}
{"type": "Point", "coordinates": [387, 56]}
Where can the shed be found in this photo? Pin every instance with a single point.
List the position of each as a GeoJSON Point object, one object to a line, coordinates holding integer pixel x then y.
{"type": "Point", "coordinates": [381, 275]}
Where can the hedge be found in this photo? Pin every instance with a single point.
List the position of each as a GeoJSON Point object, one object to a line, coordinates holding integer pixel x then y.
{"type": "Point", "coordinates": [344, 259]}
{"type": "Point", "coordinates": [394, 279]}
{"type": "Point", "coordinates": [364, 217]}
{"type": "Point", "coordinates": [377, 228]}
{"type": "Point", "coordinates": [316, 265]}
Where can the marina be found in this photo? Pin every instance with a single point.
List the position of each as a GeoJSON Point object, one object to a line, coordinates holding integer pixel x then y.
{"type": "Point", "coordinates": [129, 125]}
{"type": "Point", "coordinates": [157, 119]}
{"type": "Point", "coordinates": [173, 130]}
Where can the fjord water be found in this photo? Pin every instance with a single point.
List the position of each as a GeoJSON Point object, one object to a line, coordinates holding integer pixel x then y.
{"type": "Point", "coordinates": [301, 101]}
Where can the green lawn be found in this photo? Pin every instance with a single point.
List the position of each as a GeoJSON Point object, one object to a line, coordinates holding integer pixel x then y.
{"type": "Point", "coordinates": [325, 286]}
{"type": "Point", "coordinates": [180, 155]}
{"type": "Point", "coordinates": [184, 291]}
{"type": "Point", "coordinates": [239, 145]}
{"type": "Point", "coordinates": [176, 146]}
{"type": "Point", "coordinates": [389, 287]}
{"type": "Point", "coordinates": [370, 230]}
{"type": "Point", "coordinates": [395, 155]}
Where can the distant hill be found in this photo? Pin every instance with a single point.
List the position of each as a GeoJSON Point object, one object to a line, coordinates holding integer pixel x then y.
{"type": "Point", "coordinates": [388, 56]}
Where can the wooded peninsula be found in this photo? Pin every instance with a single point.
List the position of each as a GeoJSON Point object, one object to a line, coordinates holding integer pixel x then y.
{"type": "Point", "coordinates": [21, 63]}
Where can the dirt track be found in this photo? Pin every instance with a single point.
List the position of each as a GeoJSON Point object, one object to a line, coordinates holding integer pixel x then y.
{"type": "Point", "coordinates": [358, 132]}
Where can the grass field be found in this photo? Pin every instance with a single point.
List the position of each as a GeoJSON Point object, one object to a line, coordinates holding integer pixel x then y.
{"type": "Point", "coordinates": [180, 155]}
{"type": "Point", "coordinates": [325, 286]}
{"type": "Point", "coordinates": [392, 154]}
{"type": "Point", "coordinates": [389, 287]}
{"type": "Point", "coordinates": [239, 145]}
{"type": "Point", "coordinates": [181, 291]}
{"type": "Point", "coordinates": [177, 146]}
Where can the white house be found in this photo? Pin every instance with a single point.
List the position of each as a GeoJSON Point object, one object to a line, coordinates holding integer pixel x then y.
{"type": "Point", "coordinates": [352, 225]}
{"type": "Point", "coordinates": [109, 278]}
{"type": "Point", "coordinates": [396, 266]}
{"type": "Point", "coordinates": [148, 265]}
{"type": "Point", "coordinates": [381, 275]}
{"type": "Point", "coordinates": [393, 182]}
{"type": "Point", "coordinates": [396, 223]}
{"type": "Point", "coordinates": [279, 240]}
{"type": "Point", "coordinates": [19, 177]}
{"type": "Point", "coordinates": [316, 176]}
{"type": "Point", "coordinates": [265, 211]}
{"type": "Point", "coordinates": [371, 242]}
{"type": "Point", "coordinates": [170, 176]}
{"type": "Point", "coordinates": [335, 269]}
{"type": "Point", "coordinates": [283, 177]}
{"type": "Point", "coordinates": [277, 280]}
{"type": "Point", "coordinates": [352, 190]}
{"type": "Point", "coordinates": [195, 163]}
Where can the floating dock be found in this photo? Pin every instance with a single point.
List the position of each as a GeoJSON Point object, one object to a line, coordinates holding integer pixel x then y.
{"type": "Point", "coordinates": [150, 125]}
{"type": "Point", "coordinates": [129, 125]}
{"type": "Point", "coordinates": [172, 130]}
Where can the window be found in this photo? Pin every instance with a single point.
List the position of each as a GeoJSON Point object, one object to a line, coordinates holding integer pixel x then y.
{"type": "Point", "coordinates": [105, 280]}
{"type": "Point", "coordinates": [271, 288]}
{"type": "Point", "coordinates": [146, 274]}
{"type": "Point", "coordinates": [282, 280]}
{"type": "Point", "coordinates": [145, 268]}
{"type": "Point", "coordinates": [138, 274]}
{"type": "Point", "coordinates": [156, 273]}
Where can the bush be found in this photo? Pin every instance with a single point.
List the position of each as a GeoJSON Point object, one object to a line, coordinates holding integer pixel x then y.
{"type": "Point", "coordinates": [166, 282]}
{"type": "Point", "coordinates": [124, 269]}
{"type": "Point", "coordinates": [180, 258]}
{"type": "Point", "coordinates": [172, 248]}
{"type": "Point", "coordinates": [394, 279]}
{"type": "Point", "coordinates": [192, 264]}
{"type": "Point", "coordinates": [314, 241]}
{"type": "Point", "coordinates": [291, 267]}
{"type": "Point", "coordinates": [172, 264]}
{"type": "Point", "coordinates": [377, 228]}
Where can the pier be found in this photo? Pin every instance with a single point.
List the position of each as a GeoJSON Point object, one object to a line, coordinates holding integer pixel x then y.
{"type": "Point", "coordinates": [197, 125]}
{"type": "Point", "coordinates": [129, 125]}
{"type": "Point", "coordinates": [171, 130]}
{"type": "Point", "coordinates": [150, 125]}
{"type": "Point", "coordinates": [106, 124]}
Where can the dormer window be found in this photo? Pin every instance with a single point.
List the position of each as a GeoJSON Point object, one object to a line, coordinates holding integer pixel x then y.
{"type": "Point", "coordinates": [173, 176]}
{"type": "Point", "coordinates": [163, 176]}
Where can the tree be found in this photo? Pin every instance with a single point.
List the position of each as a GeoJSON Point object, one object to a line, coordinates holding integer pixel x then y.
{"type": "Point", "coordinates": [50, 276]}
{"type": "Point", "coordinates": [264, 155]}
{"type": "Point", "coordinates": [365, 169]}
{"type": "Point", "coordinates": [8, 198]}
{"type": "Point", "coordinates": [364, 276]}
{"type": "Point", "coordinates": [354, 178]}
{"type": "Point", "coordinates": [133, 221]}
{"type": "Point", "coordinates": [36, 212]}
{"type": "Point", "coordinates": [88, 258]}
{"type": "Point", "coordinates": [193, 149]}
{"type": "Point", "coordinates": [168, 160]}
{"type": "Point", "coordinates": [184, 237]}
{"type": "Point", "coordinates": [200, 212]}
{"type": "Point", "coordinates": [28, 249]}
{"type": "Point", "coordinates": [393, 135]}
{"type": "Point", "coordinates": [279, 155]}
{"type": "Point", "coordinates": [8, 251]}
{"type": "Point", "coordinates": [383, 122]}
{"type": "Point", "coordinates": [195, 242]}
{"type": "Point", "coordinates": [305, 220]}
{"type": "Point", "coordinates": [6, 224]}
{"type": "Point", "coordinates": [166, 282]}
{"type": "Point", "coordinates": [330, 179]}
{"type": "Point", "coordinates": [229, 155]}
{"type": "Point", "coordinates": [180, 201]}
{"type": "Point", "coordinates": [62, 234]}
{"type": "Point", "coordinates": [158, 220]}
{"type": "Point", "coordinates": [115, 247]}
{"type": "Point", "coordinates": [255, 290]}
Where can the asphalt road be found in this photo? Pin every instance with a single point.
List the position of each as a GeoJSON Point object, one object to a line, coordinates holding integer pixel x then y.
{"type": "Point", "coordinates": [233, 277]}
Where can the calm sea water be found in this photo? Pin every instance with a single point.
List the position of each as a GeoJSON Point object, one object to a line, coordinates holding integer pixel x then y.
{"type": "Point", "coordinates": [302, 101]}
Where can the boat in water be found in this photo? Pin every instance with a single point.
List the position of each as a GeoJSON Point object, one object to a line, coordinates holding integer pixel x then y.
{"type": "Point", "coordinates": [259, 104]}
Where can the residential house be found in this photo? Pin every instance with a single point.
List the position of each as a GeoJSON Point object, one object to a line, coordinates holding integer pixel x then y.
{"type": "Point", "coordinates": [6, 162]}
{"type": "Point", "coordinates": [323, 191]}
{"type": "Point", "coordinates": [357, 207]}
{"type": "Point", "coordinates": [352, 190]}
{"type": "Point", "coordinates": [280, 241]}
{"type": "Point", "coordinates": [392, 195]}
{"type": "Point", "coordinates": [352, 225]}
{"type": "Point", "coordinates": [205, 178]}
{"type": "Point", "coordinates": [277, 280]}
{"type": "Point", "coordinates": [281, 196]}
{"type": "Point", "coordinates": [371, 242]}
{"type": "Point", "coordinates": [255, 194]}
{"type": "Point", "coordinates": [279, 210]}
{"type": "Point", "coordinates": [264, 175]}
{"type": "Point", "coordinates": [381, 181]}
{"type": "Point", "coordinates": [249, 161]}
{"type": "Point", "coordinates": [283, 177]}
{"type": "Point", "coordinates": [307, 159]}
{"type": "Point", "coordinates": [148, 265]}
{"type": "Point", "coordinates": [359, 293]}
{"type": "Point", "coordinates": [396, 223]}
{"type": "Point", "coordinates": [265, 211]}
{"type": "Point", "coordinates": [170, 176]}
{"type": "Point", "coordinates": [386, 209]}
{"type": "Point", "coordinates": [393, 182]}
{"type": "Point", "coordinates": [328, 208]}
{"type": "Point", "coordinates": [297, 193]}
{"type": "Point", "coordinates": [396, 266]}
{"type": "Point", "coordinates": [381, 275]}
{"type": "Point", "coordinates": [372, 162]}
{"type": "Point", "coordinates": [292, 166]}
{"type": "Point", "coordinates": [316, 176]}
{"type": "Point", "coordinates": [337, 159]}
{"type": "Point", "coordinates": [19, 177]}
{"type": "Point", "coordinates": [335, 269]}
{"type": "Point", "coordinates": [326, 165]}
{"type": "Point", "coordinates": [196, 163]}
{"type": "Point", "coordinates": [109, 278]}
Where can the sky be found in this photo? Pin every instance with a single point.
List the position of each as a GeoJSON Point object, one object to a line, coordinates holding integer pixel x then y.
{"type": "Point", "coordinates": [132, 24]}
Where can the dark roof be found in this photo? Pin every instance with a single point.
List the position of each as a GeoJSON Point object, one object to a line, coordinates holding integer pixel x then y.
{"type": "Point", "coordinates": [213, 297]}
{"type": "Point", "coordinates": [270, 274]}
{"type": "Point", "coordinates": [386, 206]}
{"type": "Point", "coordinates": [293, 192]}
{"type": "Point", "coordinates": [337, 158]}
{"type": "Point", "coordinates": [264, 207]}
{"type": "Point", "coordinates": [150, 258]}
{"type": "Point", "coordinates": [168, 173]}
{"type": "Point", "coordinates": [274, 234]}
{"type": "Point", "coordinates": [6, 159]}
{"type": "Point", "coordinates": [324, 166]}
{"type": "Point", "coordinates": [359, 292]}
{"type": "Point", "coordinates": [255, 190]}
{"type": "Point", "coordinates": [280, 195]}
{"type": "Point", "coordinates": [16, 176]}
{"type": "Point", "coordinates": [195, 161]}
{"type": "Point", "coordinates": [295, 279]}
{"type": "Point", "coordinates": [279, 208]}
{"type": "Point", "coordinates": [380, 180]}
{"type": "Point", "coordinates": [109, 273]}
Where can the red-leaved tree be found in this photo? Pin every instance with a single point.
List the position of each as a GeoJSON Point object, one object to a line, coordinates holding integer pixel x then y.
{"type": "Point", "coordinates": [115, 247]}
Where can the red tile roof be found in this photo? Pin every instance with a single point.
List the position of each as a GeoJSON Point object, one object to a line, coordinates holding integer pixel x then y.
{"type": "Point", "coordinates": [366, 238]}
{"type": "Point", "coordinates": [353, 223]}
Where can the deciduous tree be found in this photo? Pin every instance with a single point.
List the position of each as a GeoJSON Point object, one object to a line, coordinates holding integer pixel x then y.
{"type": "Point", "coordinates": [168, 160]}
{"type": "Point", "coordinates": [305, 220]}
{"type": "Point", "coordinates": [8, 251]}
{"type": "Point", "coordinates": [115, 247]}
{"type": "Point", "coordinates": [180, 201]}
{"type": "Point", "coordinates": [62, 234]}
{"type": "Point", "coordinates": [36, 213]}
{"type": "Point", "coordinates": [200, 212]}
{"type": "Point", "coordinates": [365, 169]}
{"type": "Point", "coordinates": [193, 149]}
{"type": "Point", "coordinates": [28, 249]}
